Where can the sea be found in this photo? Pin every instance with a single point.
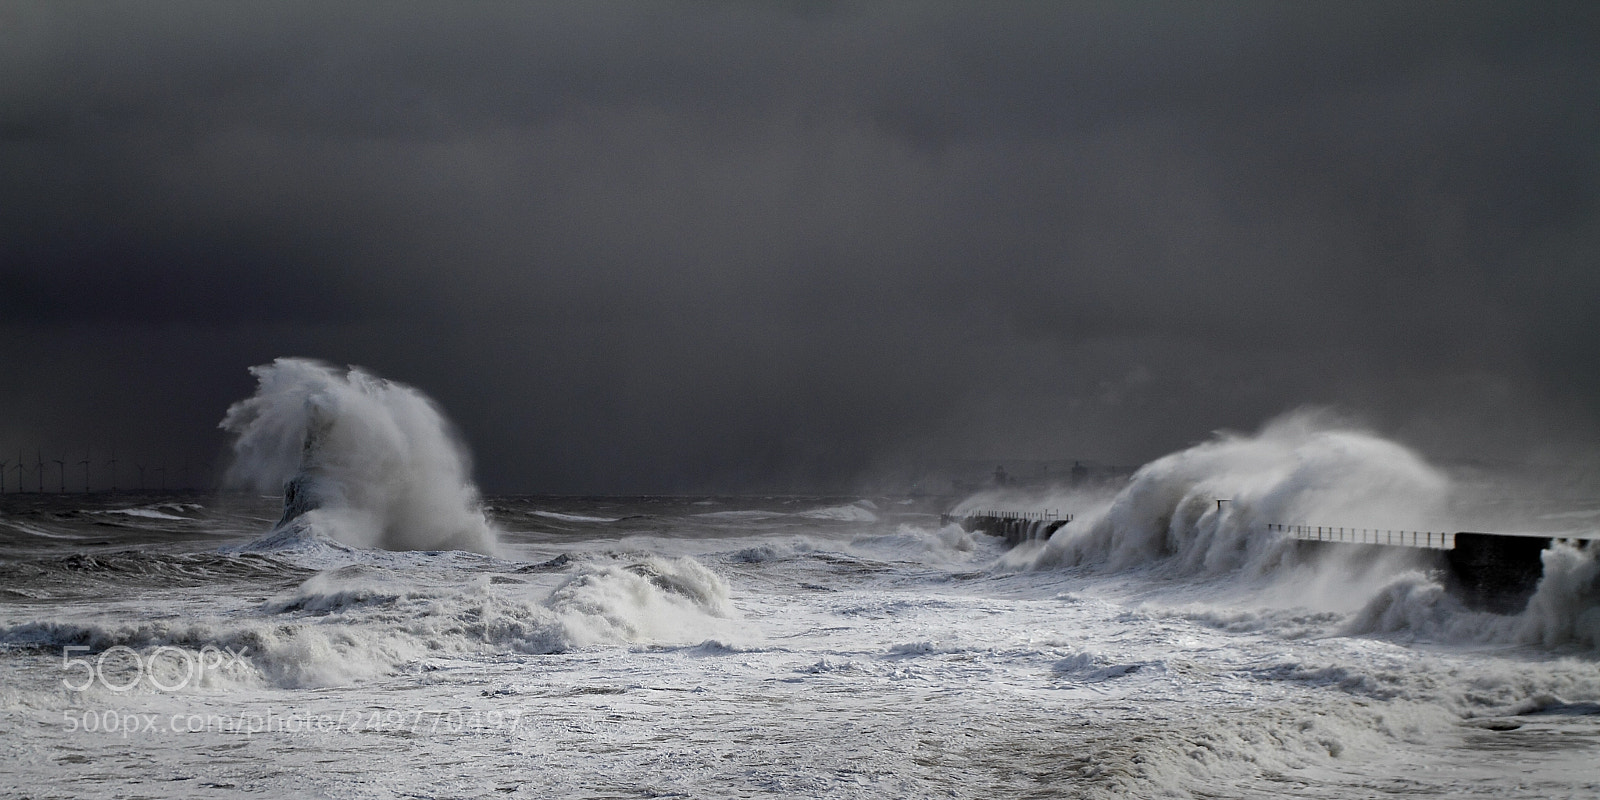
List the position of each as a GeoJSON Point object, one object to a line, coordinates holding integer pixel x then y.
{"type": "Point", "coordinates": [372, 627]}
{"type": "Point", "coordinates": [735, 647]}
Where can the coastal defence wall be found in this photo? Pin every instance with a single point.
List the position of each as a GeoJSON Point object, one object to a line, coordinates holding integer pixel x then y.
{"type": "Point", "coordinates": [1492, 572]}
{"type": "Point", "coordinates": [1015, 527]}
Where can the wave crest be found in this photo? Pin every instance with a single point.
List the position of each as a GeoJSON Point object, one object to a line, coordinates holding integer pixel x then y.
{"type": "Point", "coordinates": [370, 462]}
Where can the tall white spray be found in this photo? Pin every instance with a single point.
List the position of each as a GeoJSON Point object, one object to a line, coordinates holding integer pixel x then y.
{"type": "Point", "coordinates": [363, 460]}
{"type": "Point", "coordinates": [1303, 467]}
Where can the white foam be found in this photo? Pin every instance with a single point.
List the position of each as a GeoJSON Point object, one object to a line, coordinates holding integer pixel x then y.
{"type": "Point", "coordinates": [147, 513]}
{"type": "Point", "coordinates": [751, 514]}
{"type": "Point", "coordinates": [34, 530]}
{"type": "Point", "coordinates": [1565, 608]}
{"type": "Point", "coordinates": [572, 517]}
{"type": "Point", "coordinates": [906, 673]}
{"type": "Point", "coordinates": [855, 512]}
{"type": "Point", "coordinates": [377, 459]}
{"type": "Point", "coordinates": [365, 620]}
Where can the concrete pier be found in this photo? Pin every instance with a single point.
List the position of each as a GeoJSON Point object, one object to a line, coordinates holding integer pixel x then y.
{"type": "Point", "coordinates": [1015, 527]}
{"type": "Point", "coordinates": [1492, 572]}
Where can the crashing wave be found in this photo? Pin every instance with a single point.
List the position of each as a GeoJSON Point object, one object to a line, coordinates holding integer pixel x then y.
{"type": "Point", "coordinates": [361, 460]}
{"type": "Point", "coordinates": [1308, 466]}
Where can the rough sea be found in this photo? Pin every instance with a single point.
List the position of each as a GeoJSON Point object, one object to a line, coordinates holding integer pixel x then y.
{"type": "Point", "coordinates": [733, 647]}
{"type": "Point", "coordinates": [362, 624]}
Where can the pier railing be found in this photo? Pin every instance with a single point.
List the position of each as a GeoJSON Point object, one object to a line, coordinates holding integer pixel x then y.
{"type": "Point", "coordinates": [1488, 571]}
{"type": "Point", "coordinates": [1435, 540]}
{"type": "Point", "coordinates": [1014, 526]}
{"type": "Point", "coordinates": [1047, 515]}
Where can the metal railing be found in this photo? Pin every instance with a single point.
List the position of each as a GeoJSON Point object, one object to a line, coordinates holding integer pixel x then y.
{"type": "Point", "coordinates": [1048, 515]}
{"type": "Point", "coordinates": [1014, 526]}
{"type": "Point", "coordinates": [1435, 540]}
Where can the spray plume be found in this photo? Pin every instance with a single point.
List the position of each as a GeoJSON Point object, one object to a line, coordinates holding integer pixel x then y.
{"type": "Point", "coordinates": [363, 460]}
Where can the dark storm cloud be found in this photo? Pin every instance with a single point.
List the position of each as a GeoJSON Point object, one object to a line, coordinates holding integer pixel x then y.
{"type": "Point", "coordinates": [656, 247]}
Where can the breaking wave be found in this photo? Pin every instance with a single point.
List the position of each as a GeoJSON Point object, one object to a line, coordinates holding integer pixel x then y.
{"type": "Point", "coordinates": [358, 622]}
{"type": "Point", "coordinates": [1307, 467]}
{"type": "Point", "coordinates": [1298, 468]}
{"type": "Point", "coordinates": [362, 460]}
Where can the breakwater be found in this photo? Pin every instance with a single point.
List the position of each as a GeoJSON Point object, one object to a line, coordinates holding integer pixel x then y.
{"type": "Point", "coordinates": [1015, 527]}
{"type": "Point", "coordinates": [1494, 572]}
{"type": "Point", "coordinates": [1489, 571]}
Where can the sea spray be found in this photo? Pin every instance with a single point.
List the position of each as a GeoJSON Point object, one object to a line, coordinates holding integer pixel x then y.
{"type": "Point", "coordinates": [1562, 613]}
{"type": "Point", "coordinates": [1565, 608]}
{"type": "Point", "coordinates": [365, 461]}
{"type": "Point", "coordinates": [1307, 467]}
{"type": "Point", "coordinates": [1302, 467]}
{"type": "Point", "coordinates": [360, 622]}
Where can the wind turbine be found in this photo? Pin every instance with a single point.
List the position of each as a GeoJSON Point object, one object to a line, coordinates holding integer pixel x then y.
{"type": "Point", "coordinates": [85, 463]}
{"type": "Point", "coordinates": [162, 471]}
{"type": "Point", "coordinates": [113, 463]}
{"type": "Point", "coordinates": [140, 467]}
{"type": "Point", "coordinates": [39, 468]}
{"type": "Point", "coordinates": [3, 476]}
{"type": "Point", "coordinates": [63, 466]}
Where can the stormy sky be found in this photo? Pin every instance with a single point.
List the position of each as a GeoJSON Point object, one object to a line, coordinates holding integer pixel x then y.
{"type": "Point", "coordinates": [697, 247]}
